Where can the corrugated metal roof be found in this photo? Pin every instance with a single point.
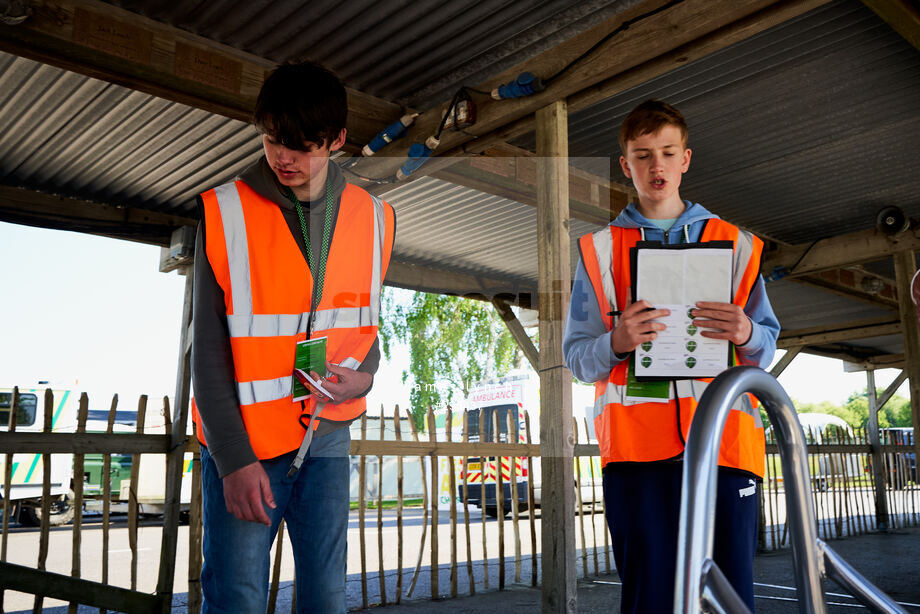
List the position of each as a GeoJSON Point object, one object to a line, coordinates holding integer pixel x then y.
{"type": "Point", "coordinates": [414, 53]}
{"type": "Point", "coordinates": [801, 132]}
{"type": "Point", "coordinates": [457, 228]}
{"type": "Point", "coordinates": [72, 135]}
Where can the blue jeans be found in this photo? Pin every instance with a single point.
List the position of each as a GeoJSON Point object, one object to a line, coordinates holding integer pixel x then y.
{"type": "Point", "coordinates": [314, 505]}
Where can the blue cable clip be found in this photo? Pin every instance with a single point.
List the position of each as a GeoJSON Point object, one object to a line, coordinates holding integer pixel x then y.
{"type": "Point", "coordinates": [526, 84]}
{"type": "Point", "coordinates": [418, 155]}
{"type": "Point", "coordinates": [389, 134]}
{"type": "Point", "coordinates": [778, 272]}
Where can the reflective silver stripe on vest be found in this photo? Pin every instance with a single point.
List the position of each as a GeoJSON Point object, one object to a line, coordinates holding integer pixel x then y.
{"type": "Point", "coordinates": [231, 215]}
{"type": "Point", "coordinates": [259, 391]}
{"type": "Point", "coordinates": [685, 388]}
{"type": "Point", "coordinates": [289, 324]}
{"type": "Point", "coordinates": [603, 248]}
{"type": "Point", "coordinates": [744, 249]}
{"type": "Point", "coordinates": [380, 225]}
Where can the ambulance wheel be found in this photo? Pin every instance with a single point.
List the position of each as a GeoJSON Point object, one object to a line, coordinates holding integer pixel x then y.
{"type": "Point", "coordinates": [492, 511]}
{"type": "Point", "coordinates": [62, 512]}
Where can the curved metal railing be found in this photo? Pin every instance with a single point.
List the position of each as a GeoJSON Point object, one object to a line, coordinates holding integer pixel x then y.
{"type": "Point", "coordinates": [699, 583]}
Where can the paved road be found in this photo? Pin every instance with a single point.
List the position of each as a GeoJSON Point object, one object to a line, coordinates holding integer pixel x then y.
{"type": "Point", "coordinates": [23, 549]}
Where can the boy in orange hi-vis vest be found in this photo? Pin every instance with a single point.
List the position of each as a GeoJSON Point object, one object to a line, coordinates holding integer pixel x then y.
{"type": "Point", "coordinates": [287, 255]}
{"type": "Point", "coordinates": [641, 428]}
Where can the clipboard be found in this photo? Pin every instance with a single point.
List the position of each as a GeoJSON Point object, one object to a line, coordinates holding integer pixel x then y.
{"type": "Point", "coordinates": [675, 277]}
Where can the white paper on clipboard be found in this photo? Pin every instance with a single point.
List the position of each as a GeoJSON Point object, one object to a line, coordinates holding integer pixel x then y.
{"type": "Point", "coordinates": [675, 279]}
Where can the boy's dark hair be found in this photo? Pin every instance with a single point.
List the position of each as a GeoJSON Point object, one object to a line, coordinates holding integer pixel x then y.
{"type": "Point", "coordinates": [301, 103]}
{"type": "Point", "coordinates": [648, 118]}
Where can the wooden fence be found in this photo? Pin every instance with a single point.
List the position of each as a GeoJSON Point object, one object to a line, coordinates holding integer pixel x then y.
{"type": "Point", "coordinates": [458, 550]}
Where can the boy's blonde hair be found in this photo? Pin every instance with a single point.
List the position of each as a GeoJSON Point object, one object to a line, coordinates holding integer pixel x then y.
{"type": "Point", "coordinates": [648, 118]}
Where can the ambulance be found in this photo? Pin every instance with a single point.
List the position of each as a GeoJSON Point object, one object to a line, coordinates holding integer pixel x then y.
{"type": "Point", "coordinates": [509, 397]}
{"type": "Point", "coordinates": [28, 469]}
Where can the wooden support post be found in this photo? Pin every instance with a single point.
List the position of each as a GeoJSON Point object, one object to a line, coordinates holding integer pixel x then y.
{"type": "Point", "coordinates": [878, 468]}
{"type": "Point", "coordinates": [787, 358]}
{"type": "Point", "coordinates": [517, 331]}
{"type": "Point", "coordinates": [175, 454]}
{"type": "Point", "coordinates": [557, 445]}
{"type": "Point", "coordinates": [905, 267]}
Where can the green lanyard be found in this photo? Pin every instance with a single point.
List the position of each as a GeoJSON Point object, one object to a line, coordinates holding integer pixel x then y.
{"type": "Point", "coordinates": [319, 272]}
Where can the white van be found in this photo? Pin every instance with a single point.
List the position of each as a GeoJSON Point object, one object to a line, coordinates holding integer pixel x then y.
{"type": "Point", "coordinates": [509, 397]}
{"type": "Point", "coordinates": [28, 469]}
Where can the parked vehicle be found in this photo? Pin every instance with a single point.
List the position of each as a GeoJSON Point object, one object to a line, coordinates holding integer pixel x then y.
{"type": "Point", "coordinates": [27, 469]}
{"type": "Point", "coordinates": [900, 468]}
{"type": "Point", "coordinates": [508, 398]}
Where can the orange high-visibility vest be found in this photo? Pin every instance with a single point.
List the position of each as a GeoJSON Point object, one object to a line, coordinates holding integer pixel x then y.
{"type": "Point", "coordinates": [629, 431]}
{"type": "Point", "coordinates": [268, 287]}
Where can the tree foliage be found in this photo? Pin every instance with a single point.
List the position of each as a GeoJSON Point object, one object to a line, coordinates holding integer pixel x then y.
{"type": "Point", "coordinates": [855, 412]}
{"type": "Point", "coordinates": [453, 343]}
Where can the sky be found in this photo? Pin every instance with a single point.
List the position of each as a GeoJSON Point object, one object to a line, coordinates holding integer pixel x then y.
{"type": "Point", "coordinates": [95, 314]}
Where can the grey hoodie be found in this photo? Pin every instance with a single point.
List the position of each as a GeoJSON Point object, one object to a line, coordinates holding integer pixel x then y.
{"type": "Point", "coordinates": [212, 363]}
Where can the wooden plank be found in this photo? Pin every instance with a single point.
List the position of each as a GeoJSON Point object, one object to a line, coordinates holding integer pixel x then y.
{"type": "Point", "coordinates": [453, 507]}
{"type": "Point", "coordinates": [466, 506]}
{"type": "Point", "coordinates": [510, 172]}
{"type": "Point", "coordinates": [44, 535]}
{"type": "Point", "coordinates": [530, 505]}
{"type": "Point", "coordinates": [178, 440]}
{"type": "Point", "coordinates": [499, 500]}
{"type": "Point", "coordinates": [431, 279]}
{"type": "Point", "coordinates": [442, 448]}
{"type": "Point", "coordinates": [8, 476]}
{"type": "Point", "coordinates": [78, 469]}
{"type": "Point", "coordinates": [793, 339]}
{"type": "Point", "coordinates": [513, 435]}
{"type": "Point", "coordinates": [432, 437]}
{"type": "Point", "coordinates": [517, 331]}
{"type": "Point", "coordinates": [399, 509]}
{"type": "Point", "coordinates": [86, 443]}
{"type": "Point", "coordinates": [878, 469]}
{"type": "Point", "coordinates": [839, 251]}
{"type": "Point", "coordinates": [380, 566]}
{"type": "Point", "coordinates": [580, 506]}
{"type": "Point", "coordinates": [785, 361]}
{"type": "Point", "coordinates": [59, 586]}
{"type": "Point", "coordinates": [556, 437]}
{"type": "Point", "coordinates": [362, 489]}
{"type": "Point", "coordinates": [483, 459]}
{"type": "Point", "coordinates": [132, 491]}
{"type": "Point", "coordinates": [7, 482]}
{"type": "Point", "coordinates": [421, 545]}
{"type": "Point", "coordinates": [106, 42]}
{"type": "Point", "coordinates": [21, 206]}
{"type": "Point", "coordinates": [905, 267]}
{"type": "Point", "coordinates": [849, 283]}
{"type": "Point", "coordinates": [901, 15]}
{"type": "Point", "coordinates": [195, 533]}
{"type": "Point", "coordinates": [594, 499]}
{"type": "Point", "coordinates": [107, 492]}
{"type": "Point", "coordinates": [650, 47]}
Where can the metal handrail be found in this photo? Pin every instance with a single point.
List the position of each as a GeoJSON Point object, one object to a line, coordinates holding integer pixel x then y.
{"type": "Point", "coordinates": [699, 584]}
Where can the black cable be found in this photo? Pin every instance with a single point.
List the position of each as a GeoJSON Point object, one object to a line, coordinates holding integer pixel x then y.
{"type": "Point", "coordinates": [377, 180]}
{"type": "Point", "coordinates": [623, 26]}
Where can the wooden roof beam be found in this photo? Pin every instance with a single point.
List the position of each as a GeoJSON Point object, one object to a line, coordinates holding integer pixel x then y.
{"type": "Point", "coordinates": [426, 278]}
{"type": "Point", "coordinates": [105, 42]}
{"type": "Point", "coordinates": [511, 172]}
{"type": "Point", "coordinates": [648, 48]}
{"type": "Point", "coordinates": [903, 17]}
{"type": "Point", "coordinates": [31, 208]}
{"type": "Point", "coordinates": [836, 333]}
{"type": "Point", "coordinates": [836, 252]}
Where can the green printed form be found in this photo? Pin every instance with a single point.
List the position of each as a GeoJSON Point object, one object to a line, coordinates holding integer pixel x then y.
{"type": "Point", "coordinates": [310, 355]}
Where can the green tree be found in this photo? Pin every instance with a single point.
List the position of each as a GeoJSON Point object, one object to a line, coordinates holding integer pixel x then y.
{"type": "Point", "coordinates": [453, 343]}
